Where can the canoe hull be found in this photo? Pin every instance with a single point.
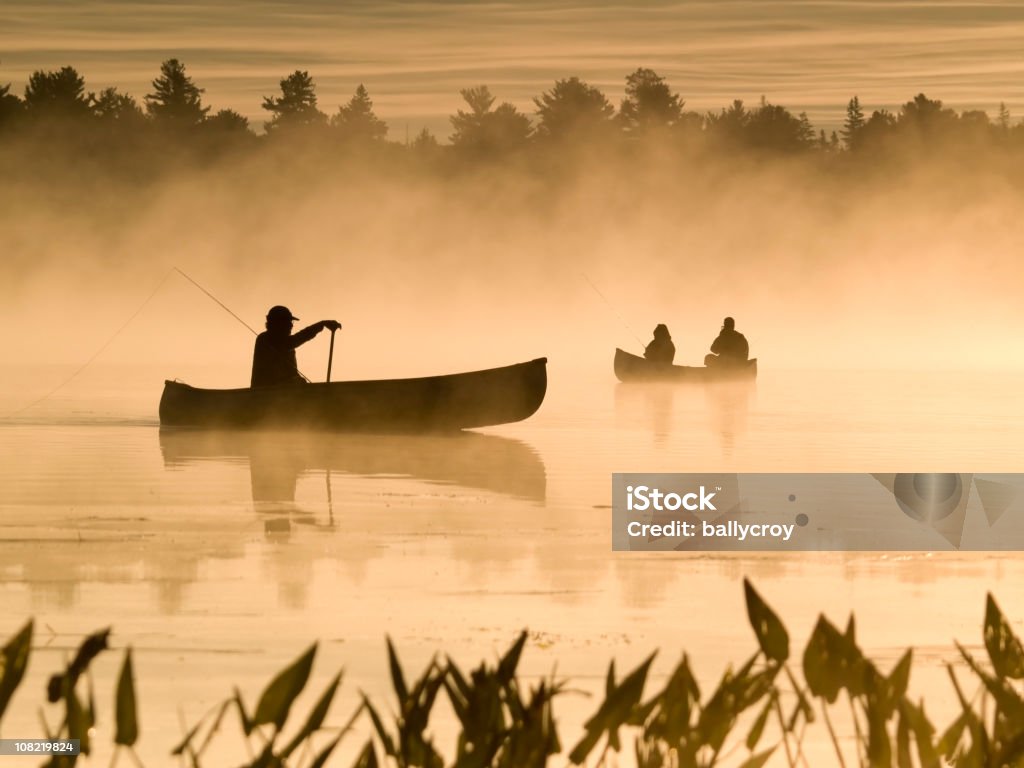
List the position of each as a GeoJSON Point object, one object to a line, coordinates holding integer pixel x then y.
{"type": "Point", "coordinates": [630, 368]}
{"type": "Point", "coordinates": [430, 404]}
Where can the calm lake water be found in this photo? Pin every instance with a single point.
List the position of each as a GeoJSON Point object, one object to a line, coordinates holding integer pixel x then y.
{"type": "Point", "coordinates": [220, 557]}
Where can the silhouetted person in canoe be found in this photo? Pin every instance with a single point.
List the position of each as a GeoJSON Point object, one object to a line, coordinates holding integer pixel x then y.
{"type": "Point", "coordinates": [730, 348]}
{"type": "Point", "coordinates": [273, 358]}
{"type": "Point", "coordinates": [661, 350]}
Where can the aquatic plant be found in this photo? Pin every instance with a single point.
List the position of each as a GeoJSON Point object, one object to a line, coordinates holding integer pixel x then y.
{"type": "Point", "coordinates": [757, 712]}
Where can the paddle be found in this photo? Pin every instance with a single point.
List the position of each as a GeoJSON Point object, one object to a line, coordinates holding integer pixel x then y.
{"type": "Point", "coordinates": [330, 356]}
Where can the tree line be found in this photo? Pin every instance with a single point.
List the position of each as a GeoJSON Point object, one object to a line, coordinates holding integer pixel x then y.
{"type": "Point", "coordinates": [571, 111]}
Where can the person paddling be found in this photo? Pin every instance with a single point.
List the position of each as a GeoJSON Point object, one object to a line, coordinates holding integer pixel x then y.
{"type": "Point", "coordinates": [273, 357]}
{"type": "Point", "coordinates": [661, 350]}
{"type": "Point", "coordinates": [730, 348]}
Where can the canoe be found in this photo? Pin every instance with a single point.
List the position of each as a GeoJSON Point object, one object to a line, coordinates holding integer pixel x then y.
{"type": "Point", "coordinates": [632, 368]}
{"type": "Point", "coordinates": [430, 404]}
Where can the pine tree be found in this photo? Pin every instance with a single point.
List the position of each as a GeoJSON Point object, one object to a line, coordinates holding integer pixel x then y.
{"type": "Point", "coordinates": [487, 131]}
{"type": "Point", "coordinates": [649, 102]}
{"type": "Point", "coordinates": [111, 106]}
{"type": "Point", "coordinates": [1003, 121]}
{"type": "Point", "coordinates": [59, 94]}
{"type": "Point", "coordinates": [854, 124]}
{"type": "Point", "coordinates": [424, 142]}
{"type": "Point", "coordinates": [572, 110]}
{"type": "Point", "coordinates": [357, 122]}
{"type": "Point", "coordinates": [176, 100]}
{"type": "Point", "coordinates": [10, 106]}
{"type": "Point", "coordinates": [805, 130]}
{"type": "Point", "coordinates": [296, 106]}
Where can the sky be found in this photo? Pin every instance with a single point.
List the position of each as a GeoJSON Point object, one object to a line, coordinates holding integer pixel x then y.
{"type": "Point", "coordinates": [414, 57]}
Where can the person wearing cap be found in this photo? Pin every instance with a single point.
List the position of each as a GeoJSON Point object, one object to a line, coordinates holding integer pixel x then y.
{"type": "Point", "coordinates": [661, 350]}
{"type": "Point", "coordinates": [730, 348]}
{"type": "Point", "coordinates": [273, 358]}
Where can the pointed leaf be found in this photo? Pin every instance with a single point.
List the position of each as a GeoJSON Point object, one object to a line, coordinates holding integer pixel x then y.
{"type": "Point", "coordinates": [609, 681]}
{"type": "Point", "coordinates": [92, 646]}
{"type": "Point", "coordinates": [510, 661]}
{"type": "Point", "coordinates": [899, 678]}
{"type": "Point", "coordinates": [771, 634]}
{"type": "Point", "coordinates": [278, 697]}
{"type": "Point", "coordinates": [923, 731]}
{"type": "Point", "coordinates": [758, 760]}
{"type": "Point", "coordinates": [321, 759]}
{"type": "Point", "coordinates": [758, 729]}
{"type": "Point", "coordinates": [243, 716]}
{"type": "Point", "coordinates": [378, 725]}
{"type": "Point", "coordinates": [397, 678]}
{"type": "Point", "coordinates": [614, 712]}
{"type": "Point", "coordinates": [79, 721]}
{"type": "Point", "coordinates": [1004, 649]}
{"type": "Point", "coordinates": [1008, 699]}
{"type": "Point", "coordinates": [367, 758]}
{"type": "Point", "coordinates": [125, 707]}
{"type": "Point", "coordinates": [316, 717]}
{"type": "Point", "coordinates": [186, 742]}
{"type": "Point", "coordinates": [13, 661]}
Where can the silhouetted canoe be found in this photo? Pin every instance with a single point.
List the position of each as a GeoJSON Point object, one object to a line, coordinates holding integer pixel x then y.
{"type": "Point", "coordinates": [429, 404]}
{"type": "Point", "coordinates": [632, 368]}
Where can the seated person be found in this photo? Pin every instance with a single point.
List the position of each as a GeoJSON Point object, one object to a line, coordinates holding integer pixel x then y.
{"type": "Point", "coordinates": [273, 358]}
{"type": "Point", "coordinates": [661, 350]}
{"type": "Point", "coordinates": [730, 348]}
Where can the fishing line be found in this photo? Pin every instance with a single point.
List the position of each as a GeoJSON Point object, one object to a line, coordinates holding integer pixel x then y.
{"type": "Point", "coordinates": [612, 308]}
{"type": "Point", "coordinates": [98, 352]}
{"type": "Point", "coordinates": [117, 333]}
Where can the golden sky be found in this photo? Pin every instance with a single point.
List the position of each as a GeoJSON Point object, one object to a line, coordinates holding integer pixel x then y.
{"type": "Point", "coordinates": [809, 55]}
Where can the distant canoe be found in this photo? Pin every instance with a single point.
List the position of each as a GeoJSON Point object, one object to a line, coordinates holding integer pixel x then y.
{"type": "Point", "coordinates": [429, 404]}
{"type": "Point", "coordinates": [632, 368]}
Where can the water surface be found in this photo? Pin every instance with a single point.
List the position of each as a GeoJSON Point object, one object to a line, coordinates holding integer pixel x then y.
{"type": "Point", "coordinates": [219, 557]}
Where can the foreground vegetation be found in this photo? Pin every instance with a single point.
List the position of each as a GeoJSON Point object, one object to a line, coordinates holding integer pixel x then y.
{"type": "Point", "coordinates": [757, 712]}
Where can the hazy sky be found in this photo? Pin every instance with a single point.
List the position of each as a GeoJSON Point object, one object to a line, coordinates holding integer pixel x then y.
{"type": "Point", "coordinates": [414, 57]}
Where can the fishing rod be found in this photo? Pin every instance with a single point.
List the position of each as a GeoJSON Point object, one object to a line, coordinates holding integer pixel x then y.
{"type": "Point", "coordinates": [221, 303]}
{"type": "Point", "coordinates": [128, 322]}
{"type": "Point", "coordinates": [614, 311]}
{"type": "Point", "coordinates": [227, 309]}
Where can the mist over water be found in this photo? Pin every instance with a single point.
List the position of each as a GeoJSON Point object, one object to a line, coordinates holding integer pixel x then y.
{"type": "Point", "coordinates": [909, 265]}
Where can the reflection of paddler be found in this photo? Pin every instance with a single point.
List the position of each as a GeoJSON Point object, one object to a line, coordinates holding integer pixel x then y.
{"type": "Point", "coordinates": [730, 348]}
{"type": "Point", "coordinates": [276, 459]}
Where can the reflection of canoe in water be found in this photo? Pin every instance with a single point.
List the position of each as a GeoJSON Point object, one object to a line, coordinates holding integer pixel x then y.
{"type": "Point", "coordinates": [632, 368]}
{"type": "Point", "coordinates": [277, 459]}
{"type": "Point", "coordinates": [433, 403]}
